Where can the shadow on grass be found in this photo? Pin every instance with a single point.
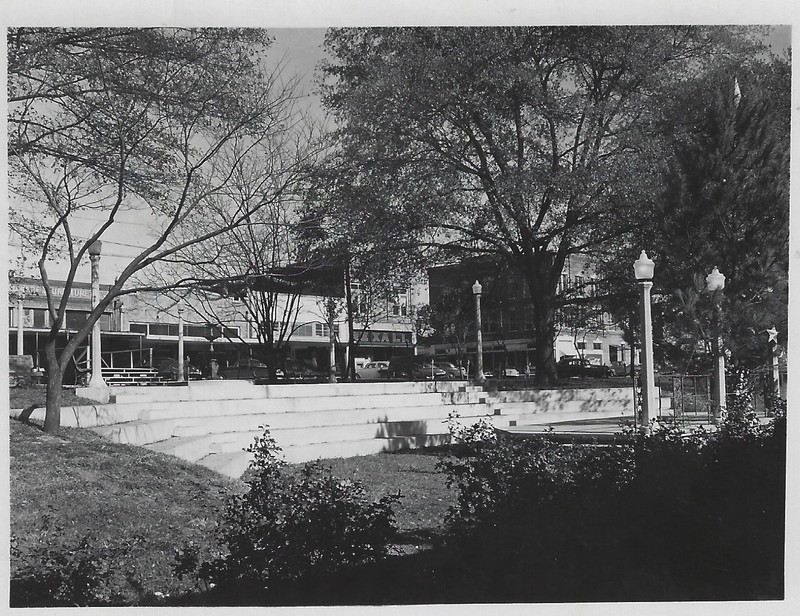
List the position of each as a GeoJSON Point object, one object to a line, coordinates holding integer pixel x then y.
{"type": "Point", "coordinates": [515, 565]}
{"type": "Point", "coordinates": [694, 525]}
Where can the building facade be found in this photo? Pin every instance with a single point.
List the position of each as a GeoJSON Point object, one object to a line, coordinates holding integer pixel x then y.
{"type": "Point", "coordinates": [507, 318]}
{"type": "Point", "coordinates": [140, 329]}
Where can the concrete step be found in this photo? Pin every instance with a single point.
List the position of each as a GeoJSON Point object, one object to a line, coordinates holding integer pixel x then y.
{"type": "Point", "coordinates": [209, 420]}
{"type": "Point", "coordinates": [137, 432]}
{"type": "Point", "coordinates": [193, 447]}
{"type": "Point", "coordinates": [243, 390]}
{"type": "Point", "coordinates": [207, 408]}
{"type": "Point", "coordinates": [108, 414]}
{"type": "Point", "coordinates": [231, 463]}
{"type": "Point", "coordinates": [305, 453]}
{"type": "Point", "coordinates": [316, 419]}
{"type": "Point", "coordinates": [546, 419]}
{"type": "Point", "coordinates": [86, 416]}
{"type": "Point", "coordinates": [193, 390]}
{"type": "Point", "coordinates": [370, 388]}
{"type": "Point", "coordinates": [572, 406]}
{"type": "Point", "coordinates": [345, 449]}
{"type": "Point", "coordinates": [562, 395]}
{"type": "Point", "coordinates": [234, 463]}
{"type": "Point", "coordinates": [289, 437]}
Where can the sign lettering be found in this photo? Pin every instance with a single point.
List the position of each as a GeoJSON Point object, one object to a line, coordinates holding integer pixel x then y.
{"type": "Point", "coordinates": [379, 337]}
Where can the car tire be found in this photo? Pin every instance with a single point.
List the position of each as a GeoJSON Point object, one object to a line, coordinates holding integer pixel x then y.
{"type": "Point", "coordinates": [358, 376]}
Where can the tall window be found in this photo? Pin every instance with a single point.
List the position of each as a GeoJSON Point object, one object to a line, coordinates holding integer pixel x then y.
{"type": "Point", "coordinates": [322, 330]}
{"type": "Point", "coordinates": [399, 305]}
{"type": "Point", "coordinates": [360, 300]}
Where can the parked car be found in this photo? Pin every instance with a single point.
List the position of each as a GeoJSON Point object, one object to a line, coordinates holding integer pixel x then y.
{"type": "Point", "coordinates": [168, 368]}
{"type": "Point", "coordinates": [295, 370]}
{"type": "Point", "coordinates": [415, 367]}
{"type": "Point", "coordinates": [372, 371]}
{"type": "Point", "coordinates": [620, 368]}
{"type": "Point", "coordinates": [509, 373]}
{"type": "Point", "coordinates": [567, 367]}
{"type": "Point", "coordinates": [451, 371]}
{"type": "Point", "coordinates": [246, 368]}
{"type": "Point", "coordinates": [427, 372]}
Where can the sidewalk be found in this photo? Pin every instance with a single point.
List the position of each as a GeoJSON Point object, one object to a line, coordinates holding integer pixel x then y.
{"type": "Point", "coordinates": [600, 431]}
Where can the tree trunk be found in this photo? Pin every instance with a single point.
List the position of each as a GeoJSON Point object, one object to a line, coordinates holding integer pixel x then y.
{"type": "Point", "coordinates": [544, 335]}
{"type": "Point", "coordinates": [332, 342]}
{"type": "Point", "coordinates": [542, 282]}
{"type": "Point", "coordinates": [55, 379]}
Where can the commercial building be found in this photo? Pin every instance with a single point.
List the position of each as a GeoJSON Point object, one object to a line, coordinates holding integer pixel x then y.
{"type": "Point", "coordinates": [141, 328]}
{"type": "Point", "coordinates": [507, 317]}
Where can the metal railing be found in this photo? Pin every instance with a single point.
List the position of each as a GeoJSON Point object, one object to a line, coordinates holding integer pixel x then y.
{"type": "Point", "coordinates": [689, 397]}
{"type": "Point", "coordinates": [129, 358]}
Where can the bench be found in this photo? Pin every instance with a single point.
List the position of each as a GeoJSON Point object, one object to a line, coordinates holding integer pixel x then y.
{"type": "Point", "coordinates": [131, 376]}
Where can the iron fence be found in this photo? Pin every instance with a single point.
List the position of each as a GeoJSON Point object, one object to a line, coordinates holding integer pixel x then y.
{"type": "Point", "coordinates": [686, 398]}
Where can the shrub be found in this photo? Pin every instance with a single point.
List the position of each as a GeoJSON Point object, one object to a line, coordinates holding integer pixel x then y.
{"type": "Point", "coordinates": [674, 515]}
{"type": "Point", "coordinates": [509, 477]}
{"type": "Point", "coordinates": [288, 525]}
{"type": "Point", "coordinates": [64, 571]}
{"type": "Point", "coordinates": [481, 431]}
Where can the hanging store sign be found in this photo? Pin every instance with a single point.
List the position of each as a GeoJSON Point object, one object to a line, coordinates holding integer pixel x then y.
{"type": "Point", "coordinates": [33, 289]}
{"type": "Point", "coordinates": [386, 338]}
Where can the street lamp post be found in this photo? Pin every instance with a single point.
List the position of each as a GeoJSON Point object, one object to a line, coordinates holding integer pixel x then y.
{"type": "Point", "coordinates": [214, 332]}
{"type": "Point", "coordinates": [97, 373]}
{"type": "Point", "coordinates": [643, 269]}
{"type": "Point", "coordinates": [773, 352]}
{"type": "Point", "coordinates": [476, 290]}
{"type": "Point", "coordinates": [20, 325]}
{"type": "Point", "coordinates": [715, 283]}
{"type": "Point", "coordinates": [181, 367]}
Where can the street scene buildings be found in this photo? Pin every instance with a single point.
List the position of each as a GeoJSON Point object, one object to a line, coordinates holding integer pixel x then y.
{"type": "Point", "coordinates": [141, 330]}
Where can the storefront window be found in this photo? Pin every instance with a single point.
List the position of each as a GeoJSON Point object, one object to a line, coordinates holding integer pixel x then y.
{"type": "Point", "coordinates": [159, 329]}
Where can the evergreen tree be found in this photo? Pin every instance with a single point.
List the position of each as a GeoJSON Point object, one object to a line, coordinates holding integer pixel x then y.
{"type": "Point", "coordinates": [724, 203]}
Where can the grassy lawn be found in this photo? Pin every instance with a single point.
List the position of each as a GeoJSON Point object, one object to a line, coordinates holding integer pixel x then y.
{"type": "Point", "coordinates": [137, 506]}
{"type": "Point", "coordinates": [23, 397]}
{"type": "Point", "coordinates": [424, 496]}
{"type": "Point", "coordinates": [127, 499]}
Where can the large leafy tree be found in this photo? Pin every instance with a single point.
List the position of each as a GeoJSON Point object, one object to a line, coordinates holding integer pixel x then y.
{"type": "Point", "coordinates": [724, 201]}
{"type": "Point", "coordinates": [525, 145]}
{"type": "Point", "coordinates": [109, 123]}
{"type": "Point", "coordinates": [342, 211]}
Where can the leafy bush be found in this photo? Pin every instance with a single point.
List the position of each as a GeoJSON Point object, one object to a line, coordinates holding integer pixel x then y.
{"type": "Point", "coordinates": [674, 515]}
{"type": "Point", "coordinates": [287, 526]}
{"type": "Point", "coordinates": [64, 571]}
{"type": "Point", "coordinates": [508, 477]}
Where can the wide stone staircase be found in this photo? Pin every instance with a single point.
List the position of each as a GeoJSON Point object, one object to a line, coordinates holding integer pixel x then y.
{"type": "Point", "coordinates": [212, 422]}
